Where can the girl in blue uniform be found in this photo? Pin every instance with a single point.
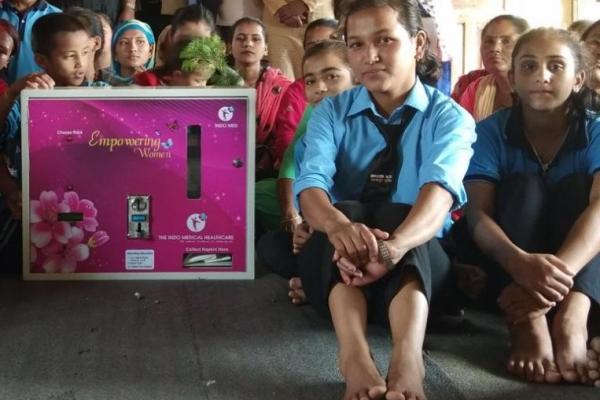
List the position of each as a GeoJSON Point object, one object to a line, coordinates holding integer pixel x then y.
{"type": "Point", "coordinates": [382, 166]}
{"type": "Point", "coordinates": [534, 209]}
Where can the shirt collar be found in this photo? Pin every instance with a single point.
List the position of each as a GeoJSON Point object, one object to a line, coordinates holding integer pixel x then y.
{"type": "Point", "coordinates": [577, 137]}
{"type": "Point", "coordinates": [40, 5]}
{"type": "Point", "coordinates": [417, 98]}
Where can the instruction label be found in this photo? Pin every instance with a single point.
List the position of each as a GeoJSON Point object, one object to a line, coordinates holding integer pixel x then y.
{"type": "Point", "coordinates": [139, 260]}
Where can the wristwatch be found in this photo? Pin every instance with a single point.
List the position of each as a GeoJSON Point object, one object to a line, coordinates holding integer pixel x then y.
{"type": "Point", "coordinates": [384, 254]}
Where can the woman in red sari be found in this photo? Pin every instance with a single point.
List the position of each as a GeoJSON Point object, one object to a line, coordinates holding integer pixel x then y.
{"type": "Point", "coordinates": [248, 48]}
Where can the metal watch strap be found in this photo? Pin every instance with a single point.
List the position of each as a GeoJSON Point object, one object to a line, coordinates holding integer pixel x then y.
{"type": "Point", "coordinates": [386, 257]}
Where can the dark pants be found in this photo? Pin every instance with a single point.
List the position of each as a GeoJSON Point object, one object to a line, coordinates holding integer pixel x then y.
{"type": "Point", "coordinates": [274, 250]}
{"type": "Point", "coordinates": [536, 217]}
{"type": "Point", "coordinates": [319, 275]}
{"type": "Point", "coordinates": [10, 241]}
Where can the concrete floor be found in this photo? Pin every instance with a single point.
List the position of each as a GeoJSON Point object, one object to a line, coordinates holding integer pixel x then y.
{"type": "Point", "coordinates": [215, 340]}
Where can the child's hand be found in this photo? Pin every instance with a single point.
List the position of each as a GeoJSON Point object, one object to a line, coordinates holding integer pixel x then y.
{"type": "Point", "coordinates": [39, 81]}
{"type": "Point", "coordinates": [302, 233]}
{"type": "Point", "coordinates": [544, 276]}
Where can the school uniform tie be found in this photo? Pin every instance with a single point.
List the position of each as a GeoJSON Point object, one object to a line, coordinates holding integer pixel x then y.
{"type": "Point", "coordinates": [386, 165]}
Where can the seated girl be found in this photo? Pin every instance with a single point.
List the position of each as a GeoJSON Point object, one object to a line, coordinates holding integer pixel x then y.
{"type": "Point", "coordinates": [133, 52]}
{"type": "Point", "coordinates": [190, 63]}
{"type": "Point", "coordinates": [533, 215]}
{"type": "Point", "coordinates": [326, 73]}
{"type": "Point", "coordinates": [382, 168]}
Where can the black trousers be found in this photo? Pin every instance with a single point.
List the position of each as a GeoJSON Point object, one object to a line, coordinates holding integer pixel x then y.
{"type": "Point", "coordinates": [319, 274]}
{"type": "Point", "coordinates": [536, 217]}
{"type": "Point", "coordinates": [274, 250]}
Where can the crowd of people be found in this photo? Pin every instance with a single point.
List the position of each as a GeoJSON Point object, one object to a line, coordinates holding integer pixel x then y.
{"type": "Point", "coordinates": [375, 191]}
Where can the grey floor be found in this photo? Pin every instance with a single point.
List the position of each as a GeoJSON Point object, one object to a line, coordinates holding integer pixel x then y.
{"type": "Point", "coordinates": [216, 340]}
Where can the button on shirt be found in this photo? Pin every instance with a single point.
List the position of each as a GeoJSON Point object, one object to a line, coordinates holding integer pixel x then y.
{"type": "Point", "coordinates": [502, 149]}
{"type": "Point", "coordinates": [24, 62]}
{"type": "Point", "coordinates": [341, 142]}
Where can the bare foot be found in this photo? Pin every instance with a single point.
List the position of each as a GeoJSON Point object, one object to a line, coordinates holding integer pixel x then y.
{"type": "Point", "coordinates": [593, 363]}
{"type": "Point", "coordinates": [296, 293]}
{"type": "Point", "coordinates": [569, 335]}
{"type": "Point", "coordinates": [363, 380]}
{"type": "Point", "coordinates": [405, 377]}
{"type": "Point", "coordinates": [531, 356]}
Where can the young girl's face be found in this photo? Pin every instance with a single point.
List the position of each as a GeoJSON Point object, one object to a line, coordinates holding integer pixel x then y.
{"type": "Point", "coordinates": [191, 30]}
{"type": "Point", "coordinates": [545, 73]}
{"type": "Point", "coordinates": [6, 47]}
{"type": "Point", "coordinates": [497, 45]}
{"type": "Point", "coordinates": [381, 52]}
{"type": "Point", "coordinates": [592, 42]}
{"type": "Point", "coordinates": [132, 49]}
{"type": "Point", "coordinates": [325, 75]}
{"type": "Point", "coordinates": [248, 45]}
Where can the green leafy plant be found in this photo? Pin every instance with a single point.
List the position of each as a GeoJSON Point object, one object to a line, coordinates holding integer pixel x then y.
{"type": "Point", "coordinates": [204, 53]}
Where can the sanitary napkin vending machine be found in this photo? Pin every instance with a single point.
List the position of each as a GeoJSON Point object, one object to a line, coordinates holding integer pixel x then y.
{"type": "Point", "coordinates": [138, 183]}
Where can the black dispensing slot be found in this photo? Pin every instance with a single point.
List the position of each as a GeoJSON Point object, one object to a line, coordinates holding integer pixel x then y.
{"type": "Point", "coordinates": [194, 154]}
{"type": "Point", "coordinates": [207, 260]}
{"type": "Point", "coordinates": [70, 217]}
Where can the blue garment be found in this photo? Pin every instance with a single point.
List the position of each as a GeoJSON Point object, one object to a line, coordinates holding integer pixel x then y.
{"type": "Point", "coordinates": [502, 149]}
{"type": "Point", "coordinates": [341, 142]}
{"type": "Point", "coordinates": [24, 61]}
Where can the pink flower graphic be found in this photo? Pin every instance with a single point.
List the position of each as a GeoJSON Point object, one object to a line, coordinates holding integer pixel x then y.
{"type": "Point", "coordinates": [85, 207]}
{"type": "Point", "coordinates": [44, 220]}
{"type": "Point", "coordinates": [97, 239]}
{"type": "Point", "coordinates": [64, 257]}
{"type": "Point", "coordinates": [33, 254]}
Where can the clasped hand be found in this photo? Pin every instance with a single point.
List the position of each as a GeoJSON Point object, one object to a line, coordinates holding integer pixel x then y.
{"type": "Point", "coordinates": [357, 255]}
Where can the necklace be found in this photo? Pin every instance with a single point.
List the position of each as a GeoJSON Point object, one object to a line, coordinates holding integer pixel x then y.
{"type": "Point", "coordinates": [546, 165]}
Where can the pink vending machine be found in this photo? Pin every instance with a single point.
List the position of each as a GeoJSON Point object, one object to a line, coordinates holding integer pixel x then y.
{"type": "Point", "coordinates": [138, 183]}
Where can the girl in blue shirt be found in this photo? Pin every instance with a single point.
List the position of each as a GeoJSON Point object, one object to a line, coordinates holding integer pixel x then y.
{"type": "Point", "coordinates": [376, 197]}
{"type": "Point", "coordinates": [534, 210]}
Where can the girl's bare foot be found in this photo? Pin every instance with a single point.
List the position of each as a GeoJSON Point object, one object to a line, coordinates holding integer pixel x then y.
{"type": "Point", "coordinates": [405, 376]}
{"type": "Point", "coordinates": [363, 380]}
{"type": "Point", "coordinates": [569, 335]}
{"type": "Point", "coordinates": [296, 293]}
{"type": "Point", "coordinates": [531, 356]}
{"type": "Point", "coordinates": [593, 363]}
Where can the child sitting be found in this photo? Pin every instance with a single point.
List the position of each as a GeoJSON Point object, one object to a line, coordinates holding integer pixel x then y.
{"type": "Point", "coordinates": [326, 73]}
{"type": "Point", "coordinates": [190, 63]}
{"type": "Point", "coordinates": [62, 47]}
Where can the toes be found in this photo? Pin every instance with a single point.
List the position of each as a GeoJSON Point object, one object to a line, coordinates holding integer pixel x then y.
{"type": "Point", "coordinates": [529, 371]}
{"type": "Point", "coordinates": [592, 355]}
{"type": "Point", "coordinates": [394, 396]}
{"type": "Point", "coordinates": [595, 344]}
{"type": "Point", "coordinates": [551, 373]}
{"type": "Point", "coordinates": [377, 392]}
{"type": "Point", "coordinates": [538, 372]}
{"type": "Point", "coordinates": [570, 375]}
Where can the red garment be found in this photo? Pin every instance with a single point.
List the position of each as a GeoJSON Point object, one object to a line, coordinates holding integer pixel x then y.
{"type": "Point", "coordinates": [290, 113]}
{"type": "Point", "coordinates": [147, 78]}
{"type": "Point", "coordinates": [3, 84]}
{"type": "Point", "coordinates": [269, 92]}
{"type": "Point", "coordinates": [464, 81]}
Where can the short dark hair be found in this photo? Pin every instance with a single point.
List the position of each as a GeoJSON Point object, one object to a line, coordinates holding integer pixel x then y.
{"type": "Point", "coordinates": [194, 13]}
{"type": "Point", "coordinates": [249, 20]}
{"type": "Point", "coordinates": [12, 32]}
{"type": "Point", "coordinates": [328, 46]}
{"type": "Point", "coordinates": [589, 30]}
{"type": "Point", "coordinates": [319, 23]}
{"type": "Point", "coordinates": [520, 24]}
{"type": "Point", "coordinates": [428, 68]}
{"type": "Point", "coordinates": [46, 28]}
{"type": "Point", "coordinates": [90, 20]}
